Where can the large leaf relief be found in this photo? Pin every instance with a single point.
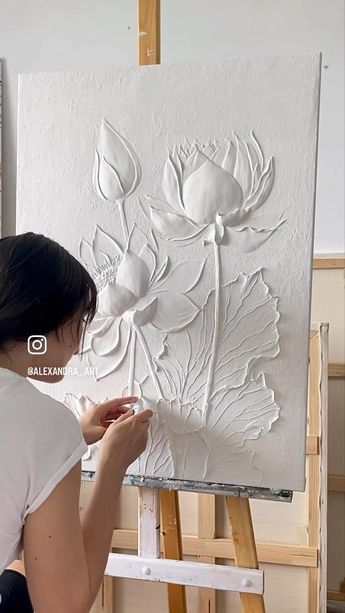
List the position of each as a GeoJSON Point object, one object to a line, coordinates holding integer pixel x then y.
{"type": "Point", "coordinates": [248, 329]}
{"type": "Point", "coordinates": [209, 425]}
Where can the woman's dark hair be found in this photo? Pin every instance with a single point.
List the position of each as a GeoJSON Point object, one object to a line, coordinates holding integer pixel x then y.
{"type": "Point", "coordinates": [42, 286]}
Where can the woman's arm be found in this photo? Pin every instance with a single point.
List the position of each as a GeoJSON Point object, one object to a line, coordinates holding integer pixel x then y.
{"type": "Point", "coordinates": [65, 556]}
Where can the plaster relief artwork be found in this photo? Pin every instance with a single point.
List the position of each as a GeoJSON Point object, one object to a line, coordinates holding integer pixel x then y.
{"type": "Point", "coordinates": [207, 398]}
{"type": "Point", "coordinates": [196, 227]}
{"type": "Point", "coordinates": [215, 189]}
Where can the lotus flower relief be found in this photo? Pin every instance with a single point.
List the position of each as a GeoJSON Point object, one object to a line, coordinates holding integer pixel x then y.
{"type": "Point", "coordinates": [133, 292]}
{"type": "Point", "coordinates": [116, 171]}
{"type": "Point", "coordinates": [216, 189]}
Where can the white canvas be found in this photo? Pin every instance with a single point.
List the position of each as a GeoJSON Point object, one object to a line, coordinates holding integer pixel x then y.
{"type": "Point", "coordinates": [188, 192]}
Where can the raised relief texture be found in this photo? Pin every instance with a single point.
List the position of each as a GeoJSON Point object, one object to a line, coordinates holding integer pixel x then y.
{"type": "Point", "coordinates": [211, 398]}
{"type": "Point", "coordinates": [216, 189]}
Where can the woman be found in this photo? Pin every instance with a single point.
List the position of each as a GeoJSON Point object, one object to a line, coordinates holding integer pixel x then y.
{"type": "Point", "coordinates": [46, 292]}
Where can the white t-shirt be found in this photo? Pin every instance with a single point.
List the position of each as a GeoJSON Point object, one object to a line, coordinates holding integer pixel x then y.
{"type": "Point", "coordinates": [40, 441]}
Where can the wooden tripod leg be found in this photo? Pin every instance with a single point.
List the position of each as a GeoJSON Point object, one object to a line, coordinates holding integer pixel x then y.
{"type": "Point", "coordinates": [244, 546]}
{"type": "Point", "coordinates": [172, 545]}
{"type": "Point", "coordinates": [207, 529]}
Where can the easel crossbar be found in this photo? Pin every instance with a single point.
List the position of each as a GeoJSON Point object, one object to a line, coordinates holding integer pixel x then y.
{"type": "Point", "coordinates": [195, 574]}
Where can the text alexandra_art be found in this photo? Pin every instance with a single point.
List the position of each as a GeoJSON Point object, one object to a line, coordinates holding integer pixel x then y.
{"type": "Point", "coordinates": [209, 402]}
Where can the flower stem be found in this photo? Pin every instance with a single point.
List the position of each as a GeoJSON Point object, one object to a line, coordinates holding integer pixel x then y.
{"type": "Point", "coordinates": [148, 358]}
{"type": "Point", "coordinates": [210, 374]}
{"type": "Point", "coordinates": [120, 204]}
{"type": "Point", "coordinates": [132, 363]}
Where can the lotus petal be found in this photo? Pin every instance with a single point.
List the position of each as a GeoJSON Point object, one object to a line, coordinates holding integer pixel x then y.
{"type": "Point", "coordinates": [193, 162]}
{"type": "Point", "coordinates": [137, 239]}
{"type": "Point", "coordinates": [161, 271]}
{"type": "Point", "coordinates": [148, 256]}
{"type": "Point", "coordinates": [105, 243]}
{"type": "Point", "coordinates": [86, 254]}
{"type": "Point", "coordinates": [248, 238]}
{"type": "Point", "coordinates": [100, 257]}
{"type": "Point", "coordinates": [109, 363]}
{"type": "Point", "coordinates": [262, 190]}
{"type": "Point", "coordinates": [229, 160]}
{"type": "Point", "coordinates": [107, 182]}
{"type": "Point", "coordinates": [258, 151]}
{"type": "Point", "coordinates": [116, 170]}
{"type": "Point", "coordinates": [172, 226]}
{"type": "Point", "coordinates": [99, 325]}
{"type": "Point", "coordinates": [143, 314]}
{"type": "Point", "coordinates": [221, 156]}
{"type": "Point", "coordinates": [174, 311]}
{"type": "Point", "coordinates": [243, 168]}
{"type": "Point", "coordinates": [210, 150]}
{"type": "Point", "coordinates": [231, 219]}
{"type": "Point", "coordinates": [133, 274]}
{"type": "Point", "coordinates": [265, 221]}
{"type": "Point", "coordinates": [172, 186]}
{"type": "Point", "coordinates": [104, 344]}
{"type": "Point", "coordinates": [210, 190]}
{"type": "Point", "coordinates": [182, 278]}
{"type": "Point", "coordinates": [114, 300]}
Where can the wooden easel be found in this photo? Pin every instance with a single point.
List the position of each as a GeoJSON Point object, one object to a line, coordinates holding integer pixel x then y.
{"type": "Point", "coordinates": [243, 539]}
{"type": "Point", "coordinates": [159, 508]}
{"type": "Point", "coordinates": [206, 546]}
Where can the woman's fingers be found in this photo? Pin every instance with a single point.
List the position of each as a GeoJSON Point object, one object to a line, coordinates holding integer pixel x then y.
{"type": "Point", "coordinates": [144, 415]}
{"type": "Point", "coordinates": [124, 416]}
{"type": "Point", "coordinates": [115, 413]}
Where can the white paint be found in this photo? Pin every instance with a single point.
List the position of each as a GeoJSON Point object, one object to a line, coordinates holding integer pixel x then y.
{"type": "Point", "coordinates": [215, 576]}
{"type": "Point", "coordinates": [85, 35]}
{"type": "Point", "coordinates": [193, 326]}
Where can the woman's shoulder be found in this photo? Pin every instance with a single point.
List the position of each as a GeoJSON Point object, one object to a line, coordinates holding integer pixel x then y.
{"type": "Point", "coordinates": [23, 403]}
{"type": "Point", "coordinates": [42, 442]}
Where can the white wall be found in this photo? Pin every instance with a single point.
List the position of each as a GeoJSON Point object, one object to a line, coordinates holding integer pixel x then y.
{"type": "Point", "coordinates": [41, 35]}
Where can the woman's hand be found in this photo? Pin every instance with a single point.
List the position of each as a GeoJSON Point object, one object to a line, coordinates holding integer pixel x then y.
{"type": "Point", "coordinates": [98, 417]}
{"type": "Point", "coordinates": [124, 440]}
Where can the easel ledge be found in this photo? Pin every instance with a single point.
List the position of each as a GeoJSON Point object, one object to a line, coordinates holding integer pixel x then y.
{"type": "Point", "coordinates": [199, 487]}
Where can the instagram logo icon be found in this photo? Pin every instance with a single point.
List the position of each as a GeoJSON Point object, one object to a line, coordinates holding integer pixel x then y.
{"type": "Point", "coordinates": [37, 344]}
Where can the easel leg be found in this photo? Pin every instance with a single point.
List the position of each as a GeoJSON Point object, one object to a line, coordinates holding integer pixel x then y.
{"type": "Point", "coordinates": [244, 547]}
{"type": "Point", "coordinates": [207, 529]}
{"type": "Point", "coordinates": [172, 545]}
{"type": "Point", "coordinates": [148, 523]}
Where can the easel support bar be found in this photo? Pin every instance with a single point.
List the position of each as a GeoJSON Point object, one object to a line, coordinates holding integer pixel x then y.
{"type": "Point", "coordinates": [187, 573]}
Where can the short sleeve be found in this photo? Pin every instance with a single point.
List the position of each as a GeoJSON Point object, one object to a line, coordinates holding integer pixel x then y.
{"type": "Point", "coordinates": [55, 445]}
